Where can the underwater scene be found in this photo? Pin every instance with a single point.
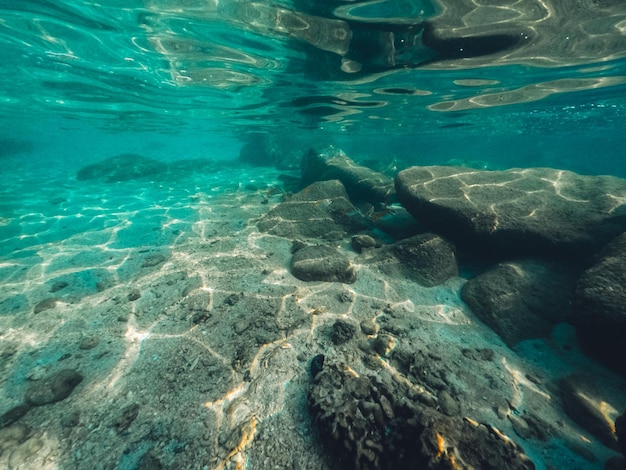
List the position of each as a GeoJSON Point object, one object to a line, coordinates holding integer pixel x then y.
{"type": "Point", "coordinates": [313, 234]}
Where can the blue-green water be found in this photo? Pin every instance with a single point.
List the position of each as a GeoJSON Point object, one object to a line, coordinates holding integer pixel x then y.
{"type": "Point", "coordinates": [189, 83]}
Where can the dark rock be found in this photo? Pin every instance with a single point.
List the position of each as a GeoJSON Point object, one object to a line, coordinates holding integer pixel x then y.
{"type": "Point", "coordinates": [321, 210]}
{"type": "Point", "coordinates": [342, 332]}
{"type": "Point", "coordinates": [58, 285]}
{"type": "Point", "coordinates": [54, 388]}
{"type": "Point", "coordinates": [370, 423]}
{"type": "Point", "coordinates": [123, 167]}
{"type": "Point", "coordinates": [362, 183]}
{"type": "Point", "coordinates": [134, 295]}
{"type": "Point", "coordinates": [322, 263]}
{"type": "Point", "coordinates": [153, 260]}
{"type": "Point", "coordinates": [521, 299]}
{"type": "Point", "coordinates": [14, 414]}
{"type": "Point", "coordinates": [426, 259]}
{"type": "Point", "coordinates": [532, 212]}
{"type": "Point", "coordinates": [599, 311]}
{"type": "Point", "coordinates": [44, 305]}
{"type": "Point", "coordinates": [582, 403]}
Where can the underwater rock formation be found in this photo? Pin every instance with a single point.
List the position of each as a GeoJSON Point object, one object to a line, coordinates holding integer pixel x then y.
{"type": "Point", "coordinates": [375, 423]}
{"type": "Point", "coordinates": [517, 299]}
{"type": "Point", "coordinates": [534, 212]}
{"type": "Point", "coordinates": [362, 184]}
{"type": "Point", "coordinates": [321, 210]}
{"type": "Point", "coordinates": [599, 312]}
{"type": "Point", "coordinates": [426, 259]}
{"type": "Point", "coordinates": [124, 167]}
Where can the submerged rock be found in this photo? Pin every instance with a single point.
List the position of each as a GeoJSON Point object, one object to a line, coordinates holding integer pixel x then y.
{"type": "Point", "coordinates": [533, 212]}
{"type": "Point", "coordinates": [599, 312]}
{"type": "Point", "coordinates": [426, 259]}
{"type": "Point", "coordinates": [124, 167]}
{"type": "Point", "coordinates": [584, 404]}
{"type": "Point", "coordinates": [321, 210]}
{"type": "Point", "coordinates": [362, 183]}
{"type": "Point", "coordinates": [322, 263]}
{"type": "Point", "coordinates": [521, 299]}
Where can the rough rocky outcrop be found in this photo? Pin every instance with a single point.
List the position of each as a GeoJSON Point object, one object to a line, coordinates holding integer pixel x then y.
{"type": "Point", "coordinates": [362, 183]}
{"type": "Point", "coordinates": [521, 299]}
{"type": "Point", "coordinates": [599, 312]}
{"type": "Point", "coordinates": [322, 263]}
{"type": "Point", "coordinates": [373, 424]}
{"type": "Point", "coordinates": [321, 210]}
{"type": "Point", "coordinates": [533, 212]}
{"type": "Point", "coordinates": [426, 259]}
{"type": "Point", "coordinates": [124, 167]}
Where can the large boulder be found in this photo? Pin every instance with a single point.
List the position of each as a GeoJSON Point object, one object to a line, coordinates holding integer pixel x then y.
{"type": "Point", "coordinates": [521, 299]}
{"type": "Point", "coordinates": [599, 312]}
{"type": "Point", "coordinates": [321, 210]}
{"type": "Point", "coordinates": [362, 184]}
{"type": "Point", "coordinates": [426, 259]}
{"type": "Point", "coordinates": [534, 212]}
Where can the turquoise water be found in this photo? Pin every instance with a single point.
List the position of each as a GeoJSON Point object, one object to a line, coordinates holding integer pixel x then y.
{"type": "Point", "coordinates": [189, 84]}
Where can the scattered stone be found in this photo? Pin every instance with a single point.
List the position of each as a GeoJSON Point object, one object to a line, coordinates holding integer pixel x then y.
{"type": "Point", "coordinates": [582, 403]}
{"type": "Point", "coordinates": [447, 403]}
{"type": "Point", "coordinates": [479, 354]}
{"type": "Point", "coordinates": [134, 295]}
{"type": "Point", "coordinates": [241, 325]}
{"type": "Point", "coordinates": [384, 344]}
{"type": "Point", "coordinates": [531, 212]}
{"type": "Point", "coordinates": [122, 167]}
{"type": "Point", "coordinates": [153, 260]}
{"type": "Point", "coordinates": [322, 263]}
{"type": "Point", "coordinates": [55, 388]}
{"type": "Point", "coordinates": [359, 242]}
{"type": "Point", "coordinates": [58, 285]}
{"type": "Point", "coordinates": [126, 418]}
{"type": "Point", "coordinates": [598, 313]}
{"type": "Point", "coordinates": [14, 414]}
{"type": "Point", "coordinates": [369, 327]}
{"type": "Point", "coordinates": [342, 332]}
{"type": "Point", "coordinates": [13, 435]}
{"type": "Point", "coordinates": [517, 299]}
{"type": "Point", "coordinates": [89, 342]}
{"type": "Point", "coordinates": [426, 259]}
{"type": "Point", "coordinates": [45, 304]}
{"type": "Point", "coordinates": [362, 183]}
{"type": "Point", "coordinates": [321, 211]}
